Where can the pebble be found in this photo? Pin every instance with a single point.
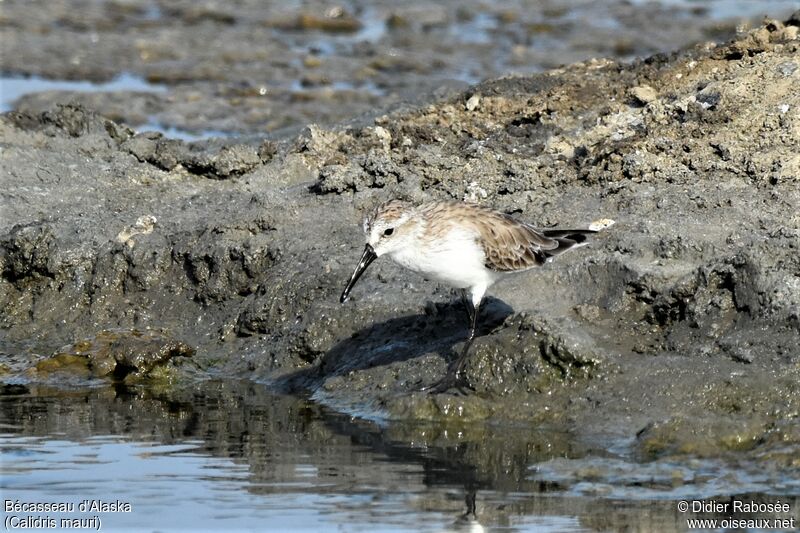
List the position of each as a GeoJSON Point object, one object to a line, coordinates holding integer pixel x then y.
{"type": "Point", "coordinates": [473, 102]}
{"type": "Point", "coordinates": [644, 94]}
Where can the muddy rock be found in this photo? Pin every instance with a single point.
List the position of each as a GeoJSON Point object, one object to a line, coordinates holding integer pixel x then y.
{"type": "Point", "coordinates": [215, 163]}
{"type": "Point", "coordinates": [118, 355]}
{"type": "Point", "coordinates": [690, 301]}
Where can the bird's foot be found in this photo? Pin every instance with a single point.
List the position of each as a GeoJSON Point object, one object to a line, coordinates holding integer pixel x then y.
{"type": "Point", "coordinates": [453, 382]}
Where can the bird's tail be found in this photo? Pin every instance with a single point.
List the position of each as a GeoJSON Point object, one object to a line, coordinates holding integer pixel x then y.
{"type": "Point", "coordinates": [573, 238]}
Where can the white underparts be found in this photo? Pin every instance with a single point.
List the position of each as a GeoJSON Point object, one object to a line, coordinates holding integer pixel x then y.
{"type": "Point", "coordinates": [456, 259]}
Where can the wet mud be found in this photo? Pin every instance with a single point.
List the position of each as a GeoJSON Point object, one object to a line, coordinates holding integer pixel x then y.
{"type": "Point", "coordinates": [674, 334]}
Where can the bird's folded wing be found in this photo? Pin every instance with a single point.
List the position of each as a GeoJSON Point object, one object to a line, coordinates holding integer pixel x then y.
{"type": "Point", "coordinates": [510, 245]}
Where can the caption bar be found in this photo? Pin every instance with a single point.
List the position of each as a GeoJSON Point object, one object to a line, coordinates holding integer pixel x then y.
{"type": "Point", "coordinates": [39, 515]}
{"type": "Point", "coordinates": [741, 514]}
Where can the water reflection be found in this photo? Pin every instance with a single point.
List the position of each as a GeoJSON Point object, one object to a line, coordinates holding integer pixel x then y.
{"type": "Point", "coordinates": [13, 88]}
{"type": "Point", "coordinates": [230, 455]}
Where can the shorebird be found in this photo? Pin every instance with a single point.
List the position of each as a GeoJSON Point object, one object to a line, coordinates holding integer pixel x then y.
{"type": "Point", "coordinates": [464, 245]}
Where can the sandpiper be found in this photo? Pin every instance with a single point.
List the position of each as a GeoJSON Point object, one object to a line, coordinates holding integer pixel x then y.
{"type": "Point", "coordinates": [464, 245]}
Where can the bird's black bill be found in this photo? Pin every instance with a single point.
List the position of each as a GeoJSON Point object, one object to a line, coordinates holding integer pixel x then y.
{"type": "Point", "coordinates": [366, 258]}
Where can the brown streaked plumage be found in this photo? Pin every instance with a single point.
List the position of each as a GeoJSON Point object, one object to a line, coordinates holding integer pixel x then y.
{"type": "Point", "coordinates": [387, 211]}
{"type": "Point", "coordinates": [508, 244]}
{"type": "Point", "coordinates": [465, 245]}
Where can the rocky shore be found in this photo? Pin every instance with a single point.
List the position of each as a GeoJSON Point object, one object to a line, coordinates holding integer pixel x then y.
{"type": "Point", "coordinates": [676, 332]}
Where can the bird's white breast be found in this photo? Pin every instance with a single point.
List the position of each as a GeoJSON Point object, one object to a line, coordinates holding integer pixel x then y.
{"type": "Point", "coordinates": [455, 258]}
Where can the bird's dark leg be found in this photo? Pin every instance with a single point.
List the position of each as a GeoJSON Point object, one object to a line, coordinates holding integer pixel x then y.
{"type": "Point", "coordinates": [458, 366]}
{"type": "Point", "coordinates": [455, 373]}
{"type": "Point", "coordinates": [467, 301]}
{"type": "Point", "coordinates": [469, 499]}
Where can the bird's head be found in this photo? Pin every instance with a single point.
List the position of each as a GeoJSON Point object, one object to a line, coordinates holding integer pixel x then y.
{"type": "Point", "coordinates": [388, 228]}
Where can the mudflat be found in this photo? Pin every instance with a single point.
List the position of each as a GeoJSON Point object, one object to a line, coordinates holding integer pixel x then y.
{"type": "Point", "coordinates": [134, 256]}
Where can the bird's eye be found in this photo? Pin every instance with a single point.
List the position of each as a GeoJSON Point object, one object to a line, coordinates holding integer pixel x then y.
{"type": "Point", "coordinates": [388, 232]}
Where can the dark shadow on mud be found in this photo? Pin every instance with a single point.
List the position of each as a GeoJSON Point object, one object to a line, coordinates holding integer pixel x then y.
{"type": "Point", "coordinates": [442, 328]}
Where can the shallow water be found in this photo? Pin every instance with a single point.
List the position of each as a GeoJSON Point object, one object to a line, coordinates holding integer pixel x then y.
{"type": "Point", "coordinates": [12, 88]}
{"type": "Point", "coordinates": [231, 456]}
{"type": "Point", "coordinates": [730, 9]}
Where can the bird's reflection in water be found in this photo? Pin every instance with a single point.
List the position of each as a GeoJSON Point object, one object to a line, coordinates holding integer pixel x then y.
{"type": "Point", "coordinates": [468, 521]}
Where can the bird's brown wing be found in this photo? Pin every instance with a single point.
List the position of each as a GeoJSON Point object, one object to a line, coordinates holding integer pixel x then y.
{"type": "Point", "coordinates": [511, 245]}
{"type": "Point", "coordinates": [508, 244]}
